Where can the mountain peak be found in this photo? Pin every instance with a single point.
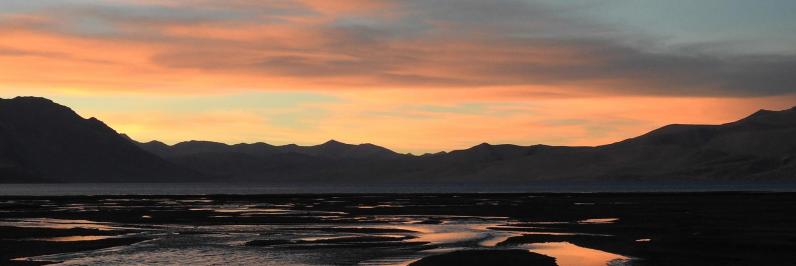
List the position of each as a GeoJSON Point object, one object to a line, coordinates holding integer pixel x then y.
{"type": "Point", "coordinates": [332, 142]}
{"type": "Point", "coordinates": [762, 112]}
{"type": "Point", "coordinates": [201, 144]}
{"type": "Point", "coordinates": [51, 141]}
{"type": "Point", "coordinates": [482, 146]}
{"type": "Point", "coordinates": [36, 105]}
{"type": "Point", "coordinates": [153, 142]}
{"type": "Point", "coordinates": [31, 99]}
{"type": "Point", "coordinates": [769, 117]}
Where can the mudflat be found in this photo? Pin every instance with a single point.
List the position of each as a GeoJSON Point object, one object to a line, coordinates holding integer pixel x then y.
{"type": "Point", "coordinates": [715, 228]}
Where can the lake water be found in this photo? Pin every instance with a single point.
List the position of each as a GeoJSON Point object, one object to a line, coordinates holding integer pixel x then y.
{"type": "Point", "coordinates": [270, 225]}
{"type": "Point", "coordinates": [72, 189]}
{"type": "Point", "coordinates": [277, 230]}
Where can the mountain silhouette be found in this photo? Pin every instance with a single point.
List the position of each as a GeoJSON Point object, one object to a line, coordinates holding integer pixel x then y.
{"type": "Point", "coordinates": [329, 149]}
{"type": "Point", "coordinates": [261, 161]}
{"type": "Point", "coordinates": [43, 141]}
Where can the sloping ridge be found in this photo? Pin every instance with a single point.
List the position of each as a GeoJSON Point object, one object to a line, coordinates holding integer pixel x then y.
{"type": "Point", "coordinates": [761, 147]}
{"type": "Point", "coordinates": [51, 142]}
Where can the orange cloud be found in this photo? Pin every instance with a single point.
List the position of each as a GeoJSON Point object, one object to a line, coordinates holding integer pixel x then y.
{"type": "Point", "coordinates": [351, 6]}
{"type": "Point", "coordinates": [170, 45]}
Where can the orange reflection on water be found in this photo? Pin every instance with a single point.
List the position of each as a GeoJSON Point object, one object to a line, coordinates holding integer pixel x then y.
{"type": "Point", "coordinates": [568, 254]}
{"type": "Point", "coordinates": [74, 238]}
{"type": "Point", "coordinates": [56, 223]}
{"type": "Point", "coordinates": [599, 221]}
{"type": "Point", "coordinates": [448, 233]}
{"type": "Point", "coordinates": [447, 237]}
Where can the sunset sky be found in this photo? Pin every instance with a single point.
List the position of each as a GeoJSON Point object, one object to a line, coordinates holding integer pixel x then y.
{"type": "Point", "coordinates": [411, 75]}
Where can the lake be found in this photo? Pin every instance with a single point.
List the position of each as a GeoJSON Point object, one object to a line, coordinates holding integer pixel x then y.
{"type": "Point", "coordinates": [62, 189]}
{"type": "Point", "coordinates": [705, 228]}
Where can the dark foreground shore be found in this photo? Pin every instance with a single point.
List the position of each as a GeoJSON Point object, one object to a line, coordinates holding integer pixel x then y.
{"type": "Point", "coordinates": [718, 228]}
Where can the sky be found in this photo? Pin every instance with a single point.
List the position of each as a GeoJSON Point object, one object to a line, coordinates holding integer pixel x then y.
{"type": "Point", "coordinates": [411, 75]}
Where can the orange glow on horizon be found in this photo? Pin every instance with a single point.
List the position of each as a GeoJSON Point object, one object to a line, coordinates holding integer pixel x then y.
{"type": "Point", "coordinates": [407, 76]}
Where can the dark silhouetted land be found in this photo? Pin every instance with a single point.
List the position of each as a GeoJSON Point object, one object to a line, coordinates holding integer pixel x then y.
{"type": "Point", "coordinates": [41, 141]}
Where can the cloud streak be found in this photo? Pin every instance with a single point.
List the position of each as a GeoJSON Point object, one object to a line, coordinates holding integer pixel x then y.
{"type": "Point", "coordinates": [411, 45]}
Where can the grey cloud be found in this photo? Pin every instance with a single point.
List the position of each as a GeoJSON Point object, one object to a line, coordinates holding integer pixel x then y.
{"type": "Point", "coordinates": [18, 52]}
{"type": "Point", "coordinates": [468, 43]}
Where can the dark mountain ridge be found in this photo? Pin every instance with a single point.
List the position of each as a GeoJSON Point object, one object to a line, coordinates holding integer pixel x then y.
{"type": "Point", "coordinates": [329, 149]}
{"type": "Point", "coordinates": [48, 141]}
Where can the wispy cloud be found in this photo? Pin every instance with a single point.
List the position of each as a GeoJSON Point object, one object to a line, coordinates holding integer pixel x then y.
{"type": "Point", "coordinates": [408, 44]}
{"type": "Point", "coordinates": [394, 72]}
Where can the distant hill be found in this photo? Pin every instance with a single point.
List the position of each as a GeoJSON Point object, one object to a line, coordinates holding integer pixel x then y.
{"type": "Point", "coordinates": [41, 140]}
{"type": "Point", "coordinates": [761, 147]}
{"type": "Point", "coordinates": [44, 141]}
{"type": "Point", "coordinates": [264, 162]}
{"type": "Point", "coordinates": [331, 149]}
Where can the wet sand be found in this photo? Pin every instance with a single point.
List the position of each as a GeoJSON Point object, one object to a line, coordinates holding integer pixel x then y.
{"type": "Point", "coordinates": [397, 229]}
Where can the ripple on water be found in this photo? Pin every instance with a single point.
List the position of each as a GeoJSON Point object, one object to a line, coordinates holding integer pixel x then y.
{"type": "Point", "coordinates": [73, 238]}
{"type": "Point", "coordinates": [57, 223]}
{"type": "Point", "coordinates": [599, 221]}
{"type": "Point", "coordinates": [225, 244]}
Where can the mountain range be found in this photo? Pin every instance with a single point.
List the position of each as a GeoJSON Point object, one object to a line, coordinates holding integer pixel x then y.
{"type": "Point", "coordinates": [42, 141]}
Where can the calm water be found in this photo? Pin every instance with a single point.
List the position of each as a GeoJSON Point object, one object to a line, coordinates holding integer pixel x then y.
{"type": "Point", "coordinates": [309, 230]}
{"type": "Point", "coordinates": [229, 189]}
{"type": "Point", "coordinates": [387, 229]}
{"type": "Point", "coordinates": [253, 189]}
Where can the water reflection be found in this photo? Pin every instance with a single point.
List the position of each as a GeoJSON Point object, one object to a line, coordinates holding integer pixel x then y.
{"type": "Point", "coordinates": [568, 254]}
{"type": "Point", "coordinates": [599, 221]}
{"type": "Point", "coordinates": [310, 231]}
{"type": "Point", "coordinates": [57, 223]}
{"type": "Point", "coordinates": [73, 238]}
